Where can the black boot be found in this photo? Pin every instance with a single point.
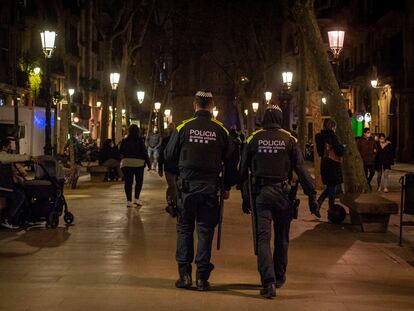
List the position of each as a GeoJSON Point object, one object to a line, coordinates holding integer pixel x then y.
{"type": "Point", "coordinates": [203, 285]}
{"type": "Point", "coordinates": [184, 281]}
{"type": "Point", "coordinates": [280, 283]}
{"type": "Point", "coordinates": [268, 291]}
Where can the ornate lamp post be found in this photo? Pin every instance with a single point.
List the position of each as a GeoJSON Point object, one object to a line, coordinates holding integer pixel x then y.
{"type": "Point", "coordinates": [70, 133]}
{"type": "Point", "coordinates": [268, 97]}
{"type": "Point", "coordinates": [140, 96]}
{"type": "Point", "coordinates": [114, 79]}
{"type": "Point", "coordinates": [48, 46]}
{"type": "Point", "coordinates": [255, 108]}
{"type": "Point", "coordinates": [285, 97]}
{"type": "Point", "coordinates": [157, 107]}
{"type": "Point", "coordinates": [336, 42]}
{"type": "Point", "coordinates": [215, 113]}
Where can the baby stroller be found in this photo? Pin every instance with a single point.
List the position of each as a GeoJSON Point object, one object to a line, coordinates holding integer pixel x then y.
{"type": "Point", "coordinates": [45, 194]}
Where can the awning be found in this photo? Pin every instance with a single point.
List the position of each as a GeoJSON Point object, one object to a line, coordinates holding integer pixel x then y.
{"type": "Point", "coordinates": [81, 128]}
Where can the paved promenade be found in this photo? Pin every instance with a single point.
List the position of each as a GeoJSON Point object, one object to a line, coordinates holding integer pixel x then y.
{"type": "Point", "coordinates": [114, 258]}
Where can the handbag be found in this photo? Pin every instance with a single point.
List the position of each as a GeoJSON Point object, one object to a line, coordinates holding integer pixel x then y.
{"type": "Point", "coordinates": [330, 153]}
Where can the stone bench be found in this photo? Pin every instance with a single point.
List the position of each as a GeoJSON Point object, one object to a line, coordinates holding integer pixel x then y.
{"type": "Point", "coordinates": [97, 173]}
{"type": "Point", "coordinates": [371, 211]}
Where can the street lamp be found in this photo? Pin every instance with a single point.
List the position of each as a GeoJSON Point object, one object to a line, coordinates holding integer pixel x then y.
{"type": "Point", "coordinates": [324, 100]}
{"type": "Point", "coordinates": [374, 83]}
{"type": "Point", "coordinates": [114, 80]}
{"type": "Point", "coordinates": [287, 78]}
{"type": "Point", "coordinates": [215, 113]}
{"type": "Point", "coordinates": [246, 112]}
{"type": "Point", "coordinates": [255, 107]}
{"type": "Point", "coordinates": [336, 42]}
{"type": "Point", "coordinates": [98, 104]}
{"type": "Point", "coordinates": [48, 42]}
{"type": "Point", "coordinates": [157, 106]}
{"type": "Point", "coordinates": [48, 46]}
{"type": "Point", "coordinates": [268, 96]}
{"type": "Point", "coordinates": [140, 96]}
{"type": "Point", "coordinates": [285, 97]}
{"type": "Point", "coordinates": [167, 113]}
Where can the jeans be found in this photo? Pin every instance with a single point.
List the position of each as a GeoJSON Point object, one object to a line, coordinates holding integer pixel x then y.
{"type": "Point", "coordinates": [129, 173]}
{"type": "Point", "coordinates": [329, 192]}
{"type": "Point", "coordinates": [272, 267]}
{"type": "Point", "coordinates": [199, 211]}
{"type": "Point", "coordinates": [15, 200]}
{"type": "Point", "coordinates": [153, 154]}
{"type": "Point", "coordinates": [382, 177]}
{"type": "Point", "coordinates": [369, 170]}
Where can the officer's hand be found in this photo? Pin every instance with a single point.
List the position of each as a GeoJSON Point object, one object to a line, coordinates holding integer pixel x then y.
{"type": "Point", "coordinates": [246, 207]}
{"type": "Point", "coordinates": [314, 207]}
{"type": "Point", "coordinates": [226, 195]}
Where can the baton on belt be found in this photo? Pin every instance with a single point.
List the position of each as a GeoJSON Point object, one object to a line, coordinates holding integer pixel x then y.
{"type": "Point", "coordinates": [221, 210]}
{"type": "Point", "coordinates": [253, 212]}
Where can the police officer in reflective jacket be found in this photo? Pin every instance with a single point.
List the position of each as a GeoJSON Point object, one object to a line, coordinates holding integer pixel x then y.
{"type": "Point", "coordinates": [270, 156]}
{"type": "Point", "coordinates": [200, 146]}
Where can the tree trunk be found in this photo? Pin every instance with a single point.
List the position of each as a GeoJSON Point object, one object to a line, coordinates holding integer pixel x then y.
{"type": "Point", "coordinates": [106, 89]}
{"type": "Point", "coordinates": [121, 97]}
{"type": "Point", "coordinates": [302, 96]}
{"type": "Point", "coordinates": [354, 177]}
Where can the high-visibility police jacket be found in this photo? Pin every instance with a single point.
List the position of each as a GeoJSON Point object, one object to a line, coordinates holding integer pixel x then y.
{"type": "Point", "coordinates": [200, 147]}
{"type": "Point", "coordinates": [272, 153]}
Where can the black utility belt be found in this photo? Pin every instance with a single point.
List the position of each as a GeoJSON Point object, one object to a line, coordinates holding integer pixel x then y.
{"type": "Point", "coordinates": [268, 181]}
{"type": "Point", "coordinates": [184, 184]}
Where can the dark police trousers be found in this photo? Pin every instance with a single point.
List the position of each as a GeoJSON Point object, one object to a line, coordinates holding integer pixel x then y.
{"type": "Point", "coordinates": [197, 209]}
{"type": "Point", "coordinates": [272, 205]}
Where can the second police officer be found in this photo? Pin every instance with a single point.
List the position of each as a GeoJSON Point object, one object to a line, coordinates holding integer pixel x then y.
{"type": "Point", "coordinates": [270, 156]}
{"type": "Point", "coordinates": [200, 147]}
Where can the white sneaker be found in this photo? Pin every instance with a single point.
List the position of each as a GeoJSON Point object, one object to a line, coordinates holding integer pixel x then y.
{"type": "Point", "coordinates": [379, 189]}
{"type": "Point", "coordinates": [8, 225]}
{"type": "Point", "coordinates": [130, 204]}
{"type": "Point", "coordinates": [386, 190]}
{"type": "Point", "coordinates": [138, 202]}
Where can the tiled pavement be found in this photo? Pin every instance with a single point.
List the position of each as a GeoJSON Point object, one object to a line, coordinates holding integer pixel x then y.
{"type": "Point", "coordinates": [114, 258]}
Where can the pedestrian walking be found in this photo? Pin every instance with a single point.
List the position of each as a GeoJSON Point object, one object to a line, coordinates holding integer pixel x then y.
{"type": "Point", "coordinates": [269, 157]}
{"type": "Point", "coordinates": [201, 146]}
{"type": "Point", "coordinates": [367, 149]}
{"type": "Point", "coordinates": [153, 143]}
{"type": "Point", "coordinates": [170, 170]}
{"type": "Point", "coordinates": [134, 159]}
{"type": "Point", "coordinates": [383, 162]}
{"type": "Point", "coordinates": [331, 152]}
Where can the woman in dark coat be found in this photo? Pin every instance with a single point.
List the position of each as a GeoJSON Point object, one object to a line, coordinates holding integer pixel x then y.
{"type": "Point", "coordinates": [134, 158]}
{"type": "Point", "coordinates": [383, 161]}
{"type": "Point", "coordinates": [331, 152]}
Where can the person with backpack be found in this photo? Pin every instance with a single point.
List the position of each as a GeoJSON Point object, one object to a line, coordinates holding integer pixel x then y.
{"type": "Point", "coordinates": [331, 152]}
